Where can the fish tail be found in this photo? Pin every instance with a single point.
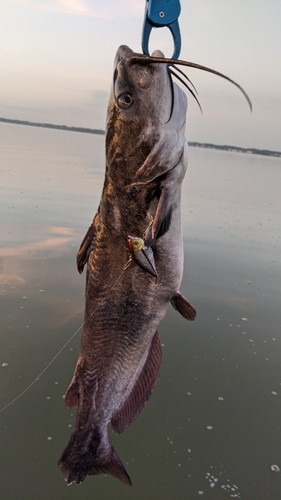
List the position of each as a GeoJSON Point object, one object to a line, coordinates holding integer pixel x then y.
{"type": "Point", "coordinates": [91, 456]}
{"type": "Point", "coordinates": [115, 468]}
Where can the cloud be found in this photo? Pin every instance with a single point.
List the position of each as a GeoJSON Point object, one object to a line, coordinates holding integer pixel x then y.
{"type": "Point", "coordinates": [100, 9]}
{"type": "Point", "coordinates": [78, 7]}
{"type": "Point", "coordinates": [54, 241]}
{"type": "Point", "coordinates": [12, 279]}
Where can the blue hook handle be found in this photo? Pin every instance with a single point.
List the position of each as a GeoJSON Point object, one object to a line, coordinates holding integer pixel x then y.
{"type": "Point", "coordinates": [160, 13]}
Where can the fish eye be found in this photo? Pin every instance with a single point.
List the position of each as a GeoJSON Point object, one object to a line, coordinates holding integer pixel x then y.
{"type": "Point", "coordinates": [125, 101]}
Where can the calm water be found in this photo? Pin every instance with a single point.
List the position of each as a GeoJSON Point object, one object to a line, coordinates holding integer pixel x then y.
{"type": "Point", "coordinates": [212, 428]}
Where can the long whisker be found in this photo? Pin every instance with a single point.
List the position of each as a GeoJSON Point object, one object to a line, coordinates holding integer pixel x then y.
{"type": "Point", "coordinates": [188, 88]}
{"type": "Point", "coordinates": [185, 76]}
{"type": "Point", "coordinates": [148, 60]}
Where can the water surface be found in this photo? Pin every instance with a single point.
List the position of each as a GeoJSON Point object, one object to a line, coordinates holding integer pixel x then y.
{"type": "Point", "coordinates": [212, 427]}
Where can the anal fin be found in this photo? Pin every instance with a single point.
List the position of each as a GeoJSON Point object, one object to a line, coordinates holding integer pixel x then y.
{"type": "Point", "coordinates": [183, 306]}
{"type": "Point", "coordinates": [141, 390]}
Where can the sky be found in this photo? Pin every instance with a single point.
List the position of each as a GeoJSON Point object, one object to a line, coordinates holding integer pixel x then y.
{"type": "Point", "coordinates": [56, 60]}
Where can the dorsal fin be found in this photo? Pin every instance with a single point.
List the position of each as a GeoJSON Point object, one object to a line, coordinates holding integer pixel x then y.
{"type": "Point", "coordinates": [141, 390]}
{"type": "Point", "coordinates": [85, 248]}
{"type": "Point", "coordinates": [71, 397]}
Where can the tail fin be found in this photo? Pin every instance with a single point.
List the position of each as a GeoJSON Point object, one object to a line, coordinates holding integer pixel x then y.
{"type": "Point", "coordinates": [81, 458]}
{"type": "Point", "coordinates": [113, 467]}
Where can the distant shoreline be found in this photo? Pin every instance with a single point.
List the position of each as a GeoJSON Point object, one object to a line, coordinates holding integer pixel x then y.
{"type": "Point", "coordinates": [235, 149]}
{"type": "Point", "coordinates": [57, 127]}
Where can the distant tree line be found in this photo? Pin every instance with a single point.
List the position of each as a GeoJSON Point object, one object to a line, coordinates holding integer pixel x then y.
{"type": "Point", "coordinates": [236, 149]}
{"type": "Point", "coordinates": [57, 127]}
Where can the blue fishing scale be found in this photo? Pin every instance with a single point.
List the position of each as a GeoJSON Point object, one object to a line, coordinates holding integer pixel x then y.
{"type": "Point", "coordinates": [160, 14]}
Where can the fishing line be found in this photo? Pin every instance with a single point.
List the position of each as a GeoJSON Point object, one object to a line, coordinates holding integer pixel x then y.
{"type": "Point", "coordinates": [43, 371]}
{"type": "Point", "coordinates": [69, 340]}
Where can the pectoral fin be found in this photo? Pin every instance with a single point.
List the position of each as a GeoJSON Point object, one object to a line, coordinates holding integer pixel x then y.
{"type": "Point", "coordinates": [181, 304]}
{"type": "Point", "coordinates": [141, 390]}
{"type": "Point", "coordinates": [85, 248]}
{"type": "Point", "coordinates": [162, 219]}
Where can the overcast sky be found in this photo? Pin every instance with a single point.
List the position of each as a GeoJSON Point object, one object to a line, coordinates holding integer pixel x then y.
{"type": "Point", "coordinates": [56, 59]}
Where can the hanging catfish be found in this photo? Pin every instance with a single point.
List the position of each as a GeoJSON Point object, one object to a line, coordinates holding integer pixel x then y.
{"type": "Point", "coordinates": [130, 279]}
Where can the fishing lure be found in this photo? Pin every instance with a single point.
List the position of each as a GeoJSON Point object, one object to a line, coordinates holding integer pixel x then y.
{"type": "Point", "coordinates": [141, 254]}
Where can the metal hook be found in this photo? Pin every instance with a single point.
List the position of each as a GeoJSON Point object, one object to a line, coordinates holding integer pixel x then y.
{"type": "Point", "coordinates": [158, 14]}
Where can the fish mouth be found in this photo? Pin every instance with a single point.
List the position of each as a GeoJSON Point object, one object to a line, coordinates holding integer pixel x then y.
{"type": "Point", "coordinates": [172, 63]}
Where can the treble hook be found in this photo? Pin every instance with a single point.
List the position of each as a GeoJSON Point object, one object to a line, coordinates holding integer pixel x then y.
{"type": "Point", "coordinates": [158, 14]}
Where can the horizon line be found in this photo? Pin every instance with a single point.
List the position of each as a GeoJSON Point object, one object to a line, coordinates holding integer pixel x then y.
{"type": "Point", "coordinates": [85, 130]}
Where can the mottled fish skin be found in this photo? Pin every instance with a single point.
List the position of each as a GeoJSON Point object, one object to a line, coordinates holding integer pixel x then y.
{"type": "Point", "coordinates": [120, 353]}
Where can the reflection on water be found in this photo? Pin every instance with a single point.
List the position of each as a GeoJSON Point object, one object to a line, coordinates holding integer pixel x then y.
{"type": "Point", "coordinates": [212, 427]}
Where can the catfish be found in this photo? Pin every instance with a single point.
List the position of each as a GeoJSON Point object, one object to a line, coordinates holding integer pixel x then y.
{"type": "Point", "coordinates": [134, 255]}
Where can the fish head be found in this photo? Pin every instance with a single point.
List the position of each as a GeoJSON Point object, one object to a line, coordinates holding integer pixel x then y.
{"type": "Point", "coordinates": [146, 114]}
{"type": "Point", "coordinates": [146, 109]}
{"type": "Point", "coordinates": [142, 90]}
